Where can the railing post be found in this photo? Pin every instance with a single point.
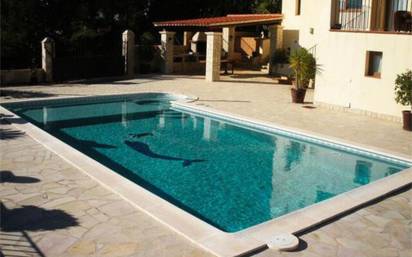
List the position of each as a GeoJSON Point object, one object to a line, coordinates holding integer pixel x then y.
{"type": "Point", "coordinates": [128, 52]}
{"type": "Point", "coordinates": [47, 55]}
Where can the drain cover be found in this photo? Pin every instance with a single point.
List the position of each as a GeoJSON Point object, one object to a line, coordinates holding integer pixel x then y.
{"type": "Point", "coordinates": [283, 242]}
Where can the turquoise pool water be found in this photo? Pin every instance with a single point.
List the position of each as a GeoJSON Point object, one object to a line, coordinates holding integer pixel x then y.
{"type": "Point", "coordinates": [228, 175]}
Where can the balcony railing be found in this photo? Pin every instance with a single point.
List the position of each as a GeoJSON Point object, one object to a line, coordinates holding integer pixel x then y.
{"type": "Point", "coordinates": [372, 15]}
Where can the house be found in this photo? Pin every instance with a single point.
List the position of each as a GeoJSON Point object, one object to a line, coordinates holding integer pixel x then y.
{"type": "Point", "coordinates": [360, 45]}
{"type": "Point", "coordinates": [204, 44]}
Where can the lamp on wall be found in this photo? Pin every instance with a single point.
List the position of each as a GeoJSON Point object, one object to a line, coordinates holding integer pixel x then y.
{"type": "Point", "coordinates": [312, 31]}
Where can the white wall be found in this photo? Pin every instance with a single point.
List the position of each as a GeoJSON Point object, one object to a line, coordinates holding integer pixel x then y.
{"type": "Point", "coordinates": [343, 81]}
{"type": "Point", "coordinates": [342, 56]}
{"type": "Point", "coordinates": [314, 14]}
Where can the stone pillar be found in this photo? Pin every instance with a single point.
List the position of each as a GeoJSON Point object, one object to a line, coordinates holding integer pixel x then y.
{"type": "Point", "coordinates": [47, 55]}
{"type": "Point", "coordinates": [128, 52]}
{"type": "Point", "coordinates": [275, 37]}
{"type": "Point", "coordinates": [213, 52]}
{"type": "Point", "coordinates": [275, 41]}
{"type": "Point", "coordinates": [229, 41]}
{"type": "Point", "coordinates": [187, 38]}
{"type": "Point", "coordinates": [167, 43]}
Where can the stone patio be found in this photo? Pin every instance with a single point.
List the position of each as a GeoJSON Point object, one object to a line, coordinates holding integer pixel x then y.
{"type": "Point", "coordinates": [50, 208]}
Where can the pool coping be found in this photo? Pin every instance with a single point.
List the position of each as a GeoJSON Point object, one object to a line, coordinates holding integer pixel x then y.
{"type": "Point", "coordinates": [197, 231]}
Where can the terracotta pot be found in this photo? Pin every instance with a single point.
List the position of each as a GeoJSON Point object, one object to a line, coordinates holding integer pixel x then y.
{"type": "Point", "coordinates": [298, 95]}
{"type": "Point", "coordinates": [407, 120]}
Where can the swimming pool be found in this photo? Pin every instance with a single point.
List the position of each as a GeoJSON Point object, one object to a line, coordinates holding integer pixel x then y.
{"type": "Point", "coordinates": [230, 175]}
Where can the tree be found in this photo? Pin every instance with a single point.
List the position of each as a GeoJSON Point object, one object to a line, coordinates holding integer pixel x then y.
{"type": "Point", "coordinates": [24, 23]}
{"type": "Point", "coordinates": [268, 6]}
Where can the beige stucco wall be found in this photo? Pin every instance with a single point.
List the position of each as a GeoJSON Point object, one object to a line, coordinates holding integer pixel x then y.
{"type": "Point", "coordinates": [342, 57]}
{"type": "Point", "coordinates": [343, 81]}
{"type": "Point", "coordinates": [314, 14]}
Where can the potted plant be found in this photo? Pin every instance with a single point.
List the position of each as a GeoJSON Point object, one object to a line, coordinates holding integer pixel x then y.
{"type": "Point", "coordinates": [279, 58]}
{"type": "Point", "coordinates": [403, 95]}
{"type": "Point", "coordinates": [304, 68]}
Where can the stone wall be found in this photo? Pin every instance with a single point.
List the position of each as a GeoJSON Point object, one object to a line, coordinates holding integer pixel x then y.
{"type": "Point", "coordinates": [21, 76]}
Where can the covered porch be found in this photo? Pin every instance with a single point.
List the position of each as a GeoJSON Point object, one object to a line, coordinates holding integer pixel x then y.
{"type": "Point", "coordinates": [216, 46]}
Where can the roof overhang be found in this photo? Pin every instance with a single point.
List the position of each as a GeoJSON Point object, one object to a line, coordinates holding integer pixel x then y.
{"type": "Point", "coordinates": [223, 21]}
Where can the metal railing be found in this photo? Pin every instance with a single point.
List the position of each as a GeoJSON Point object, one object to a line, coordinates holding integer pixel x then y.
{"type": "Point", "coordinates": [372, 15]}
{"type": "Point", "coordinates": [312, 50]}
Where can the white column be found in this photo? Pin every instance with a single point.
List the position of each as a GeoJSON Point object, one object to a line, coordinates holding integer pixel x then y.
{"type": "Point", "coordinates": [128, 52]}
{"type": "Point", "coordinates": [229, 41]}
{"type": "Point", "coordinates": [213, 52]}
{"type": "Point", "coordinates": [167, 42]}
{"type": "Point", "coordinates": [187, 38]}
{"type": "Point", "coordinates": [47, 55]}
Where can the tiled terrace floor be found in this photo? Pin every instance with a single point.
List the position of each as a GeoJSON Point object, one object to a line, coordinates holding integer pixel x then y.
{"type": "Point", "coordinates": [71, 215]}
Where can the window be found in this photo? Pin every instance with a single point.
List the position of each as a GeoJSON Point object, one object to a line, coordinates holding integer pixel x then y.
{"type": "Point", "coordinates": [353, 4]}
{"type": "Point", "coordinates": [373, 64]}
{"type": "Point", "coordinates": [298, 7]}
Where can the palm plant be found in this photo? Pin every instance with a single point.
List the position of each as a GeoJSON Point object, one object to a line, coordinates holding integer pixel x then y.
{"type": "Point", "coordinates": [304, 67]}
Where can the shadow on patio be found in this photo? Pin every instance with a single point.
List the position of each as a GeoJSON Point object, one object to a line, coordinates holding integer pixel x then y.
{"type": "Point", "coordinates": [9, 134]}
{"type": "Point", "coordinates": [125, 81]}
{"type": "Point", "coordinates": [18, 244]}
{"type": "Point", "coordinates": [7, 176]}
{"type": "Point", "coordinates": [15, 223]}
{"type": "Point", "coordinates": [248, 76]}
{"type": "Point", "coordinates": [19, 94]}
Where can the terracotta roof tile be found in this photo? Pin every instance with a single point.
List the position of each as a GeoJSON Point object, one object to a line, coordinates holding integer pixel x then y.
{"type": "Point", "coordinates": [231, 19]}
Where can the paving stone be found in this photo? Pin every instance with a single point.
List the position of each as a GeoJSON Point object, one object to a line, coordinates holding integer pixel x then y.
{"type": "Point", "coordinates": [116, 208]}
{"type": "Point", "coordinates": [118, 249]}
{"type": "Point", "coordinates": [350, 252]}
{"type": "Point", "coordinates": [55, 244]}
{"type": "Point", "coordinates": [108, 226]}
{"type": "Point", "coordinates": [83, 248]}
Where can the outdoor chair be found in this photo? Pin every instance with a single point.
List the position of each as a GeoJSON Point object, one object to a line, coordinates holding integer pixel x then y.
{"type": "Point", "coordinates": [403, 21]}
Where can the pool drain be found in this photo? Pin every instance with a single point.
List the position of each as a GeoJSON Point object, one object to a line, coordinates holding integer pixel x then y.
{"type": "Point", "coordinates": [283, 242]}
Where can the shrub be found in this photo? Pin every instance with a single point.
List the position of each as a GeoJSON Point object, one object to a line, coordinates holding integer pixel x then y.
{"type": "Point", "coordinates": [280, 56]}
{"type": "Point", "coordinates": [403, 88]}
